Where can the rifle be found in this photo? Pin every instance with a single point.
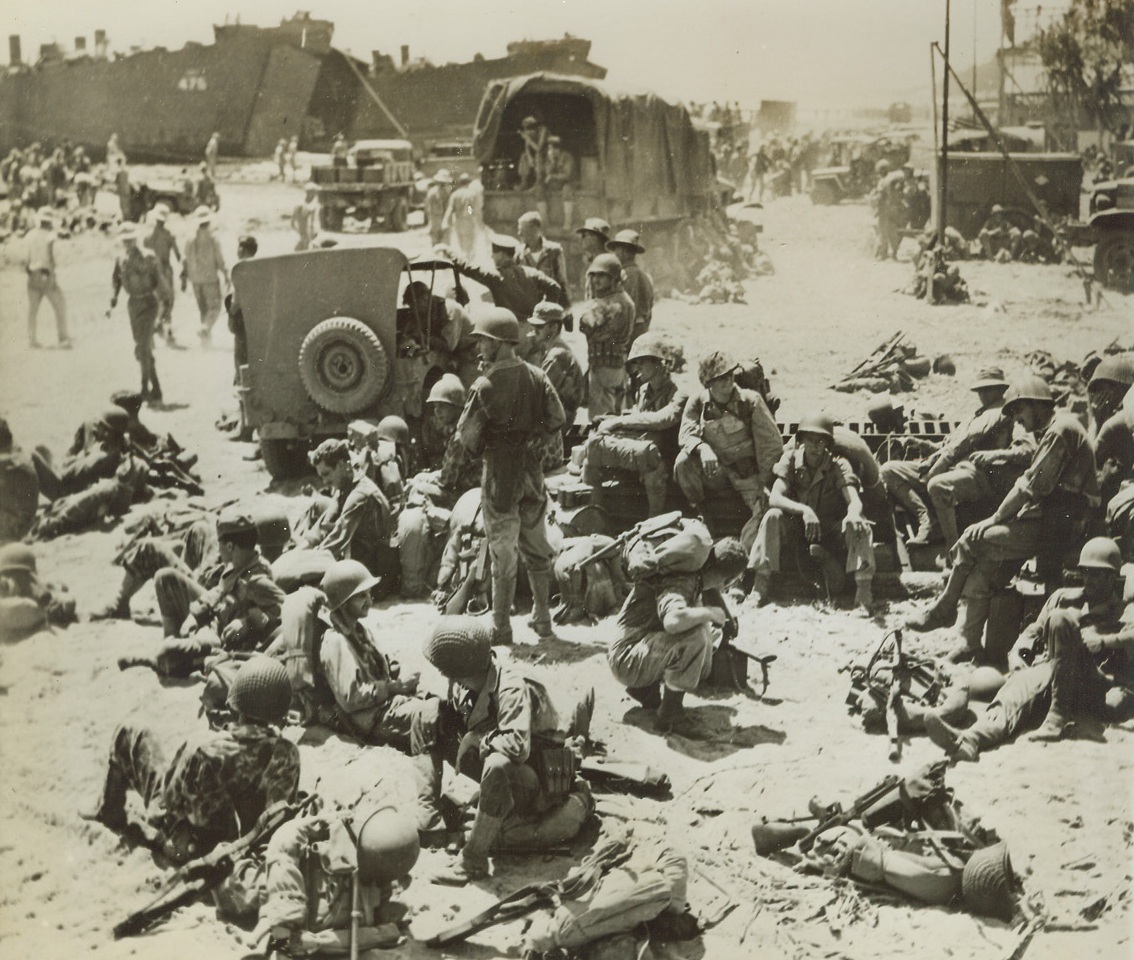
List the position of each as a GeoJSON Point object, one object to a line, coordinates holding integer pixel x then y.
{"type": "Point", "coordinates": [644, 528]}
{"type": "Point", "coordinates": [893, 696]}
{"type": "Point", "coordinates": [772, 836]}
{"type": "Point", "coordinates": [203, 874]}
{"type": "Point", "coordinates": [166, 466]}
{"type": "Point", "coordinates": [881, 354]}
{"type": "Point", "coordinates": [729, 669]}
{"type": "Point", "coordinates": [459, 599]}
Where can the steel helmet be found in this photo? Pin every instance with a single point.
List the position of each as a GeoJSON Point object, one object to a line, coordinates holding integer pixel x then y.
{"type": "Point", "coordinates": [115, 419]}
{"type": "Point", "coordinates": [448, 389]}
{"type": "Point", "coordinates": [988, 883]}
{"type": "Point", "coordinates": [606, 263]}
{"type": "Point", "coordinates": [261, 690]}
{"type": "Point", "coordinates": [388, 846]}
{"type": "Point", "coordinates": [17, 556]}
{"type": "Point", "coordinates": [461, 646]}
{"type": "Point", "coordinates": [497, 323]}
{"type": "Point", "coordinates": [1117, 368]}
{"type": "Point", "coordinates": [1031, 387]}
{"type": "Point", "coordinates": [1101, 553]}
{"type": "Point", "coordinates": [647, 346]}
{"type": "Point", "coordinates": [817, 423]}
{"type": "Point", "coordinates": [345, 579]}
{"type": "Point", "coordinates": [715, 366]}
{"type": "Point", "coordinates": [882, 167]}
{"type": "Point", "coordinates": [394, 429]}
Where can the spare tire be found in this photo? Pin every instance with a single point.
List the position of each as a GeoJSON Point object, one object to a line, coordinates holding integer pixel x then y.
{"type": "Point", "coordinates": [343, 365]}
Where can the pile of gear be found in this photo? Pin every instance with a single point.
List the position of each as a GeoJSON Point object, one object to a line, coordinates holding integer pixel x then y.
{"type": "Point", "coordinates": [895, 366]}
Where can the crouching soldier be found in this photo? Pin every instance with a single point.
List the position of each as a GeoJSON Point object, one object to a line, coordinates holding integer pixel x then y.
{"type": "Point", "coordinates": [500, 728]}
{"type": "Point", "coordinates": [216, 787]}
{"type": "Point", "coordinates": [728, 439]}
{"type": "Point", "coordinates": [238, 614]}
{"type": "Point", "coordinates": [26, 604]}
{"type": "Point", "coordinates": [306, 900]}
{"type": "Point", "coordinates": [664, 627]}
{"type": "Point", "coordinates": [815, 501]}
{"type": "Point", "coordinates": [644, 439]}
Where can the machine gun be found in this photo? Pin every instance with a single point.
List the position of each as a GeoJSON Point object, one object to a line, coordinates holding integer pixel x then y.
{"type": "Point", "coordinates": [729, 669]}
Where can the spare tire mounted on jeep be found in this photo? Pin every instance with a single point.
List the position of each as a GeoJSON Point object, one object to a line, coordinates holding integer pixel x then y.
{"type": "Point", "coordinates": [343, 365]}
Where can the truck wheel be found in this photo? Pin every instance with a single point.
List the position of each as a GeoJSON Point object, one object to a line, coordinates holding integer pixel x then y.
{"type": "Point", "coordinates": [331, 218]}
{"type": "Point", "coordinates": [397, 218]}
{"type": "Point", "coordinates": [343, 365]}
{"type": "Point", "coordinates": [284, 459]}
{"type": "Point", "coordinates": [1114, 261]}
{"type": "Point", "coordinates": [824, 192]}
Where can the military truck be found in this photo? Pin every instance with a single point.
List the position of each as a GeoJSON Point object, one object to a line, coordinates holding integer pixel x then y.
{"type": "Point", "coordinates": [376, 184]}
{"type": "Point", "coordinates": [328, 344]}
{"type": "Point", "coordinates": [851, 171]}
{"type": "Point", "coordinates": [1111, 222]}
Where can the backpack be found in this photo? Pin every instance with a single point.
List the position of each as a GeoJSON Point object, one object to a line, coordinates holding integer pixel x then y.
{"type": "Point", "coordinates": [667, 544]}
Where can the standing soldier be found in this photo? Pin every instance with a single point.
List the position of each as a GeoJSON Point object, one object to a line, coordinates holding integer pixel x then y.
{"type": "Point", "coordinates": [638, 284]}
{"type": "Point", "coordinates": [593, 235]}
{"type": "Point", "coordinates": [293, 158]}
{"type": "Point", "coordinates": [551, 353]}
{"type": "Point", "coordinates": [40, 267]}
{"type": "Point", "coordinates": [558, 177]}
{"type": "Point", "coordinates": [464, 217]}
{"type": "Point", "coordinates": [728, 439]}
{"type": "Point", "coordinates": [539, 252]}
{"type": "Point", "coordinates": [511, 410]}
{"type": "Point", "coordinates": [303, 217]}
{"type": "Point", "coordinates": [203, 261]}
{"type": "Point", "coordinates": [607, 321]}
{"type": "Point", "coordinates": [139, 272]}
{"type": "Point", "coordinates": [436, 203]}
{"type": "Point", "coordinates": [212, 148]}
{"type": "Point", "coordinates": [164, 245]}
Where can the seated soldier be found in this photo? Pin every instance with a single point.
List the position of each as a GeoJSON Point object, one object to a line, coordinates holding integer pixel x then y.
{"type": "Point", "coordinates": [237, 614]}
{"type": "Point", "coordinates": [103, 501]}
{"type": "Point", "coordinates": [1059, 485]}
{"type": "Point", "coordinates": [393, 460]}
{"type": "Point", "coordinates": [1085, 640]}
{"type": "Point", "coordinates": [99, 459]}
{"type": "Point", "coordinates": [644, 439]}
{"type": "Point", "coordinates": [26, 604]}
{"type": "Point", "coordinates": [423, 524]}
{"type": "Point", "coordinates": [815, 500]}
{"type": "Point", "coordinates": [493, 728]}
{"type": "Point", "coordinates": [217, 786]}
{"type": "Point", "coordinates": [999, 240]}
{"type": "Point", "coordinates": [664, 630]}
{"type": "Point", "coordinates": [1112, 421]}
{"type": "Point", "coordinates": [464, 546]}
{"type": "Point", "coordinates": [375, 703]}
{"type": "Point", "coordinates": [19, 488]}
{"type": "Point", "coordinates": [304, 903]}
{"type": "Point", "coordinates": [728, 438]}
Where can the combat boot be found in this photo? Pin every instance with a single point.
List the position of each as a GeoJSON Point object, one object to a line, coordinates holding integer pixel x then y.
{"type": "Point", "coordinates": [864, 592]}
{"type": "Point", "coordinates": [111, 808]}
{"type": "Point", "coordinates": [671, 713]}
{"type": "Point", "coordinates": [954, 742]}
{"type": "Point", "coordinates": [120, 608]}
{"type": "Point", "coordinates": [648, 696]}
{"type": "Point", "coordinates": [473, 862]}
{"type": "Point", "coordinates": [834, 577]}
{"type": "Point", "coordinates": [431, 825]}
{"type": "Point", "coordinates": [155, 388]}
{"type": "Point", "coordinates": [541, 604]}
{"type": "Point", "coordinates": [581, 716]}
{"type": "Point", "coordinates": [938, 615]}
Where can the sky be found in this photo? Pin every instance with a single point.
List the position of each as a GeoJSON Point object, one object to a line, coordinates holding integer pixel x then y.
{"type": "Point", "coordinates": [820, 53]}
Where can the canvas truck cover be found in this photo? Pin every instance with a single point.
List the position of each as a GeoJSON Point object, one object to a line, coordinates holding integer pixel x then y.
{"type": "Point", "coordinates": [645, 145]}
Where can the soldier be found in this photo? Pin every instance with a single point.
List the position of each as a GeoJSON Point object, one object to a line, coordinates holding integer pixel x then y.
{"type": "Point", "coordinates": [464, 217]}
{"type": "Point", "coordinates": [664, 631]}
{"type": "Point", "coordinates": [998, 239]}
{"type": "Point", "coordinates": [644, 439]}
{"type": "Point", "coordinates": [436, 203]}
{"type": "Point", "coordinates": [539, 252]}
{"type": "Point", "coordinates": [246, 248]}
{"type": "Point", "coordinates": [511, 411]}
{"type": "Point", "coordinates": [728, 438]}
{"type": "Point", "coordinates": [815, 501]}
{"type": "Point", "coordinates": [1085, 638]}
{"type": "Point", "coordinates": [593, 235]}
{"type": "Point", "coordinates": [305, 217]}
{"type": "Point", "coordinates": [139, 272]}
{"type": "Point", "coordinates": [1060, 480]}
{"type": "Point", "coordinates": [532, 157]}
{"type": "Point", "coordinates": [164, 245]}
{"type": "Point", "coordinates": [558, 175]}
{"type": "Point", "coordinates": [1112, 426]}
{"type": "Point", "coordinates": [626, 245]}
{"type": "Point", "coordinates": [491, 725]}
{"type": "Point", "coordinates": [217, 786]}
{"type": "Point", "coordinates": [39, 264]}
{"type": "Point", "coordinates": [292, 155]}
{"type": "Point", "coordinates": [212, 149]}
{"type": "Point", "coordinates": [555, 358]}
{"type": "Point", "coordinates": [26, 604]}
{"type": "Point", "coordinates": [19, 488]}
{"type": "Point", "coordinates": [607, 321]}
{"type": "Point", "coordinates": [203, 261]}
{"type": "Point", "coordinates": [279, 157]}
{"type": "Point", "coordinates": [339, 151]}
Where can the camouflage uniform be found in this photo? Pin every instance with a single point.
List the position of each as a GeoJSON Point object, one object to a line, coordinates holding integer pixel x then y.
{"type": "Point", "coordinates": [215, 788]}
{"type": "Point", "coordinates": [608, 323]}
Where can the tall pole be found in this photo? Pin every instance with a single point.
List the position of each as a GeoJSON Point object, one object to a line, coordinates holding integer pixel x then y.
{"type": "Point", "coordinates": [942, 214]}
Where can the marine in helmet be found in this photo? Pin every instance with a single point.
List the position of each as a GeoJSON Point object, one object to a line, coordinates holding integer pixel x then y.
{"type": "Point", "coordinates": [1112, 420]}
{"type": "Point", "coordinates": [511, 413]}
{"type": "Point", "coordinates": [815, 507]}
{"type": "Point", "coordinates": [644, 438]}
{"type": "Point", "coordinates": [216, 787]}
{"type": "Point", "coordinates": [107, 440]}
{"type": "Point", "coordinates": [19, 488]}
{"type": "Point", "coordinates": [639, 285]}
{"type": "Point", "coordinates": [496, 722]}
{"type": "Point", "coordinates": [552, 354]}
{"type": "Point", "coordinates": [998, 239]}
{"type": "Point", "coordinates": [306, 901]}
{"type": "Point", "coordinates": [607, 321]}
{"type": "Point", "coordinates": [1059, 482]}
{"type": "Point", "coordinates": [593, 235]}
{"type": "Point", "coordinates": [1083, 643]}
{"type": "Point", "coordinates": [26, 603]}
{"type": "Point", "coordinates": [728, 440]}
{"type": "Point", "coordinates": [238, 614]}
